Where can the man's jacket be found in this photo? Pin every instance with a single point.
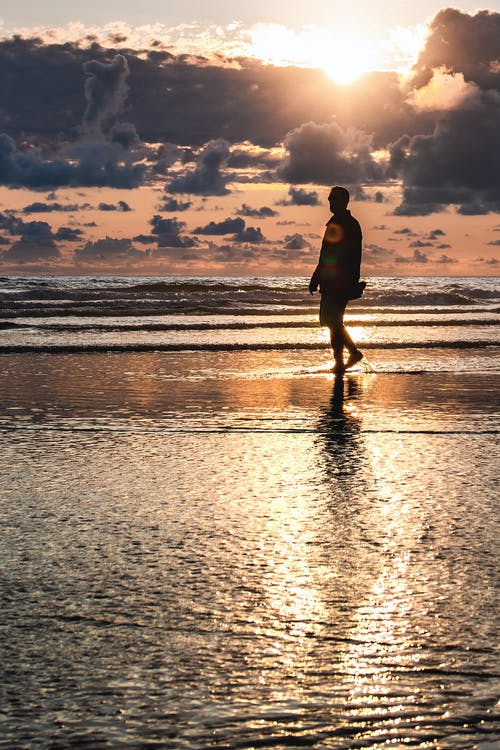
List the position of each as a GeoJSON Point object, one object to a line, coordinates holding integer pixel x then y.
{"type": "Point", "coordinates": [339, 263]}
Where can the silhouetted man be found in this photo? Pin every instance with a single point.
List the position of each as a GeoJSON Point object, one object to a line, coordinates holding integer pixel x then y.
{"type": "Point", "coordinates": [337, 275]}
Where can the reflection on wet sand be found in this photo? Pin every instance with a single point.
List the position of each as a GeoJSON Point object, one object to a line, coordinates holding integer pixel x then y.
{"type": "Point", "coordinates": [287, 560]}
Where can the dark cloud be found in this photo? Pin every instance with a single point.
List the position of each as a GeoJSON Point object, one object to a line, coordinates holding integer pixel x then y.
{"type": "Point", "coordinates": [100, 158]}
{"type": "Point", "coordinates": [228, 226]}
{"type": "Point", "coordinates": [405, 230]}
{"type": "Point", "coordinates": [494, 242]}
{"type": "Point", "coordinates": [247, 158]}
{"type": "Point", "coordinates": [93, 165]}
{"type": "Point", "coordinates": [249, 234]}
{"type": "Point", "coordinates": [105, 91]}
{"type": "Point", "coordinates": [462, 43]}
{"type": "Point", "coordinates": [458, 163]}
{"type": "Point", "coordinates": [108, 250]}
{"type": "Point", "coordinates": [207, 177]}
{"type": "Point", "coordinates": [36, 244]}
{"type": "Point", "coordinates": [173, 205]}
{"type": "Point", "coordinates": [419, 256]}
{"type": "Point", "coordinates": [435, 233]}
{"type": "Point", "coordinates": [236, 254]}
{"type": "Point", "coordinates": [446, 259]}
{"type": "Point", "coordinates": [39, 207]}
{"type": "Point", "coordinates": [488, 261]}
{"type": "Point", "coordinates": [168, 232]}
{"type": "Point", "coordinates": [327, 154]}
{"type": "Point", "coordinates": [145, 239]}
{"type": "Point", "coordinates": [295, 242]}
{"type": "Point", "coordinates": [120, 206]}
{"type": "Point", "coordinates": [419, 243]}
{"type": "Point", "coordinates": [125, 134]}
{"type": "Point", "coordinates": [300, 197]}
{"type": "Point", "coordinates": [258, 213]}
{"type": "Point", "coordinates": [11, 223]}
{"type": "Point", "coordinates": [249, 104]}
{"type": "Point", "coordinates": [374, 255]}
{"type": "Point", "coordinates": [68, 234]}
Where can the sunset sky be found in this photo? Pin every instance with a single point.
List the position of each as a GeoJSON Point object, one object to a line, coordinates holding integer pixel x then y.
{"type": "Point", "coordinates": [202, 138]}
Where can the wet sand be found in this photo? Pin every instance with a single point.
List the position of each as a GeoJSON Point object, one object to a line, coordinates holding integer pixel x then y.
{"type": "Point", "coordinates": [217, 550]}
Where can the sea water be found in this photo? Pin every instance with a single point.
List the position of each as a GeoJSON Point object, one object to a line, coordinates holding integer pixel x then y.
{"type": "Point", "coordinates": [208, 540]}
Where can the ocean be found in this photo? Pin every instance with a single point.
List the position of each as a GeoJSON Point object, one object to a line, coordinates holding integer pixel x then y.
{"type": "Point", "coordinates": [209, 540]}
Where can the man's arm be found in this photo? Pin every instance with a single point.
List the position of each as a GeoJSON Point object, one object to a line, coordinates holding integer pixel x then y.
{"type": "Point", "coordinates": [314, 283]}
{"type": "Point", "coordinates": [356, 242]}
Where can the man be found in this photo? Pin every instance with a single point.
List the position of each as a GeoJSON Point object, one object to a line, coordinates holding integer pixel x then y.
{"type": "Point", "coordinates": [337, 275]}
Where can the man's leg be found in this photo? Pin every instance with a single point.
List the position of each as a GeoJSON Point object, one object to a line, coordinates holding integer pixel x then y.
{"type": "Point", "coordinates": [337, 338]}
{"type": "Point", "coordinates": [337, 342]}
{"type": "Point", "coordinates": [355, 355]}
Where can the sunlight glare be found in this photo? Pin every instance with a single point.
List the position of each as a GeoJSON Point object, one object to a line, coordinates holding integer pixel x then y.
{"type": "Point", "coordinates": [343, 56]}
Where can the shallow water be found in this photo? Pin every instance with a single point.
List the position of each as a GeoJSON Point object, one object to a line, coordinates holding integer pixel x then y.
{"type": "Point", "coordinates": [193, 557]}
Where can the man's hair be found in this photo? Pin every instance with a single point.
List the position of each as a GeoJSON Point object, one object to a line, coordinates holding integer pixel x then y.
{"type": "Point", "coordinates": [341, 192]}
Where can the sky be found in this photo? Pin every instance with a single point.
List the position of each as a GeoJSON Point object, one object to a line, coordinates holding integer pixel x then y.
{"type": "Point", "coordinates": [204, 138]}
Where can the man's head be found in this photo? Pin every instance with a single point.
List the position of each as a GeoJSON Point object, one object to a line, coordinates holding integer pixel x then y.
{"type": "Point", "coordinates": [338, 199]}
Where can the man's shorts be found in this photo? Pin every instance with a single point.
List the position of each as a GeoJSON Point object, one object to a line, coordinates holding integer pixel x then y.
{"type": "Point", "coordinates": [331, 310]}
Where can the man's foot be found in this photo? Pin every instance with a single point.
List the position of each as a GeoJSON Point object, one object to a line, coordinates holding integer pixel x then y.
{"type": "Point", "coordinates": [338, 368]}
{"type": "Point", "coordinates": [354, 357]}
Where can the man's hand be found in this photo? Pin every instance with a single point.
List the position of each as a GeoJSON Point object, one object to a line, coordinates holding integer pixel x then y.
{"type": "Point", "coordinates": [313, 285]}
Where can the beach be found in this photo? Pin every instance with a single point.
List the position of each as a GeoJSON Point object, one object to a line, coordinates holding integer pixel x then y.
{"type": "Point", "coordinates": [209, 540]}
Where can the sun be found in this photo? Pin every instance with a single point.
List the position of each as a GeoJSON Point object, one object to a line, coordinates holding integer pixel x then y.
{"type": "Point", "coordinates": [343, 56]}
{"type": "Point", "coordinates": [347, 59]}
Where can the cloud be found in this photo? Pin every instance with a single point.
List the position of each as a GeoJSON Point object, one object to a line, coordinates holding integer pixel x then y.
{"type": "Point", "coordinates": [461, 43]}
{"type": "Point", "coordinates": [236, 254]}
{"type": "Point", "coordinates": [101, 157]}
{"type": "Point", "coordinates": [446, 259]}
{"type": "Point", "coordinates": [98, 165]}
{"type": "Point", "coordinates": [120, 206]}
{"type": "Point", "coordinates": [419, 256]}
{"type": "Point", "coordinates": [328, 155]}
{"type": "Point", "coordinates": [108, 250]}
{"type": "Point", "coordinates": [169, 233]}
{"type": "Point", "coordinates": [374, 255]}
{"type": "Point", "coordinates": [295, 242]}
{"type": "Point", "coordinates": [488, 261]}
{"type": "Point", "coordinates": [105, 92]}
{"type": "Point", "coordinates": [68, 234]}
{"type": "Point", "coordinates": [435, 233]}
{"type": "Point", "coordinates": [170, 204]}
{"type": "Point", "coordinates": [494, 243]}
{"type": "Point", "coordinates": [125, 134]}
{"type": "Point", "coordinates": [39, 207]}
{"type": "Point", "coordinates": [405, 230]}
{"type": "Point", "coordinates": [458, 161]}
{"type": "Point", "coordinates": [419, 243]}
{"type": "Point", "coordinates": [258, 213]}
{"type": "Point", "coordinates": [207, 177]}
{"type": "Point", "coordinates": [249, 234]}
{"type": "Point", "coordinates": [228, 226]}
{"type": "Point", "coordinates": [444, 91]}
{"type": "Point", "coordinates": [300, 197]}
{"type": "Point", "coordinates": [36, 244]}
